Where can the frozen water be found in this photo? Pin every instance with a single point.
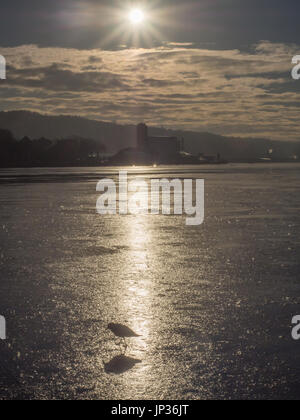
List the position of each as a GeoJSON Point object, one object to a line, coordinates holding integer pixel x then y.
{"type": "Point", "coordinates": [213, 303]}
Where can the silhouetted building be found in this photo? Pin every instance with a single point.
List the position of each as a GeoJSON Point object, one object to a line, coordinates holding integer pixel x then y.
{"type": "Point", "coordinates": [163, 147]}
{"type": "Point", "coordinates": [142, 136]}
{"type": "Point", "coordinates": [160, 148]}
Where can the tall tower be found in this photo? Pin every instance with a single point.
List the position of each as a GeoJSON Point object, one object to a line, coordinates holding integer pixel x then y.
{"type": "Point", "coordinates": [142, 136]}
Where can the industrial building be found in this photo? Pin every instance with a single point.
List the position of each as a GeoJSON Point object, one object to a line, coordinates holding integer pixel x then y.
{"type": "Point", "coordinates": [151, 150]}
{"type": "Point", "coordinates": [160, 148]}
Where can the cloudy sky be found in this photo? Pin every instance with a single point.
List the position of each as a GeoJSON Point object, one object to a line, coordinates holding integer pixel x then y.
{"type": "Point", "coordinates": [222, 66]}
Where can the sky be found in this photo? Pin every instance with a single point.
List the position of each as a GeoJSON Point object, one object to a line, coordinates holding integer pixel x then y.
{"type": "Point", "coordinates": [222, 66]}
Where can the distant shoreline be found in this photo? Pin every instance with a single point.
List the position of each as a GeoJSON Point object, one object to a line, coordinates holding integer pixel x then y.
{"type": "Point", "coordinates": [149, 166]}
{"type": "Point", "coordinates": [71, 174]}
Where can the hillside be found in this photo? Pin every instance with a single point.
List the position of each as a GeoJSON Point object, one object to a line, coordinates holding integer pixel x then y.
{"type": "Point", "coordinates": [116, 137]}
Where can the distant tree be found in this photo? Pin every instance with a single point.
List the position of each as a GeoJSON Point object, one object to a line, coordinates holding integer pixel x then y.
{"type": "Point", "coordinates": [41, 148]}
{"type": "Point", "coordinates": [27, 152]}
{"type": "Point", "coordinates": [24, 151]}
{"type": "Point", "coordinates": [7, 148]}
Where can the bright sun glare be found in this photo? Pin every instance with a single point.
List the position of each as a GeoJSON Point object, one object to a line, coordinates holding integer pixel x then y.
{"type": "Point", "coordinates": [136, 16]}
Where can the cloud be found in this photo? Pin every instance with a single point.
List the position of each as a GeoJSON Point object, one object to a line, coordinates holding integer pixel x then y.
{"type": "Point", "coordinates": [181, 86]}
{"type": "Point", "coordinates": [56, 78]}
{"type": "Point", "coordinates": [94, 59]}
{"type": "Point", "coordinates": [156, 83]}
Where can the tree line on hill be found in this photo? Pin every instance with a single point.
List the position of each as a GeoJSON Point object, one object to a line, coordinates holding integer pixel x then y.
{"type": "Point", "coordinates": [117, 137]}
{"type": "Point", "coordinates": [44, 152]}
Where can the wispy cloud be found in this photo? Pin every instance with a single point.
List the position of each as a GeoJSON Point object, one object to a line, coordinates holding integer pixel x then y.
{"type": "Point", "coordinates": [175, 85]}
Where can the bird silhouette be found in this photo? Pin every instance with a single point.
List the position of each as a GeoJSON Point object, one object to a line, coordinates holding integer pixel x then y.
{"type": "Point", "coordinates": [122, 331]}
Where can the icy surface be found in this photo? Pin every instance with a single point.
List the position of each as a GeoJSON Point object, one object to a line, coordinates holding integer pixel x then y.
{"type": "Point", "coordinates": [213, 303]}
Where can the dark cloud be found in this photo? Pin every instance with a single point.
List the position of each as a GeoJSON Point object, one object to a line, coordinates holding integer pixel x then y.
{"type": "Point", "coordinates": [269, 75]}
{"type": "Point", "coordinates": [55, 78]}
{"type": "Point", "coordinates": [287, 86]}
{"type": "Point", "coordinates": [159, 83]}
{"type": "Point", "coordinates": [94, 59]}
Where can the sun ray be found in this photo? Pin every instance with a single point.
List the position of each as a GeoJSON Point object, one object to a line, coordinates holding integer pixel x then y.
{"type": "Point", "coordinates": [135, 27]}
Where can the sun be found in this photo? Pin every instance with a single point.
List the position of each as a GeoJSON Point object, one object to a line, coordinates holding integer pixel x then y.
{"type": "Point", "coordinates": [136, 16]}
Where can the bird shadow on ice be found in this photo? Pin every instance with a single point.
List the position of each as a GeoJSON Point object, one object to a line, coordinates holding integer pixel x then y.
{"type": "Point", "coordinates": [120, 364]}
